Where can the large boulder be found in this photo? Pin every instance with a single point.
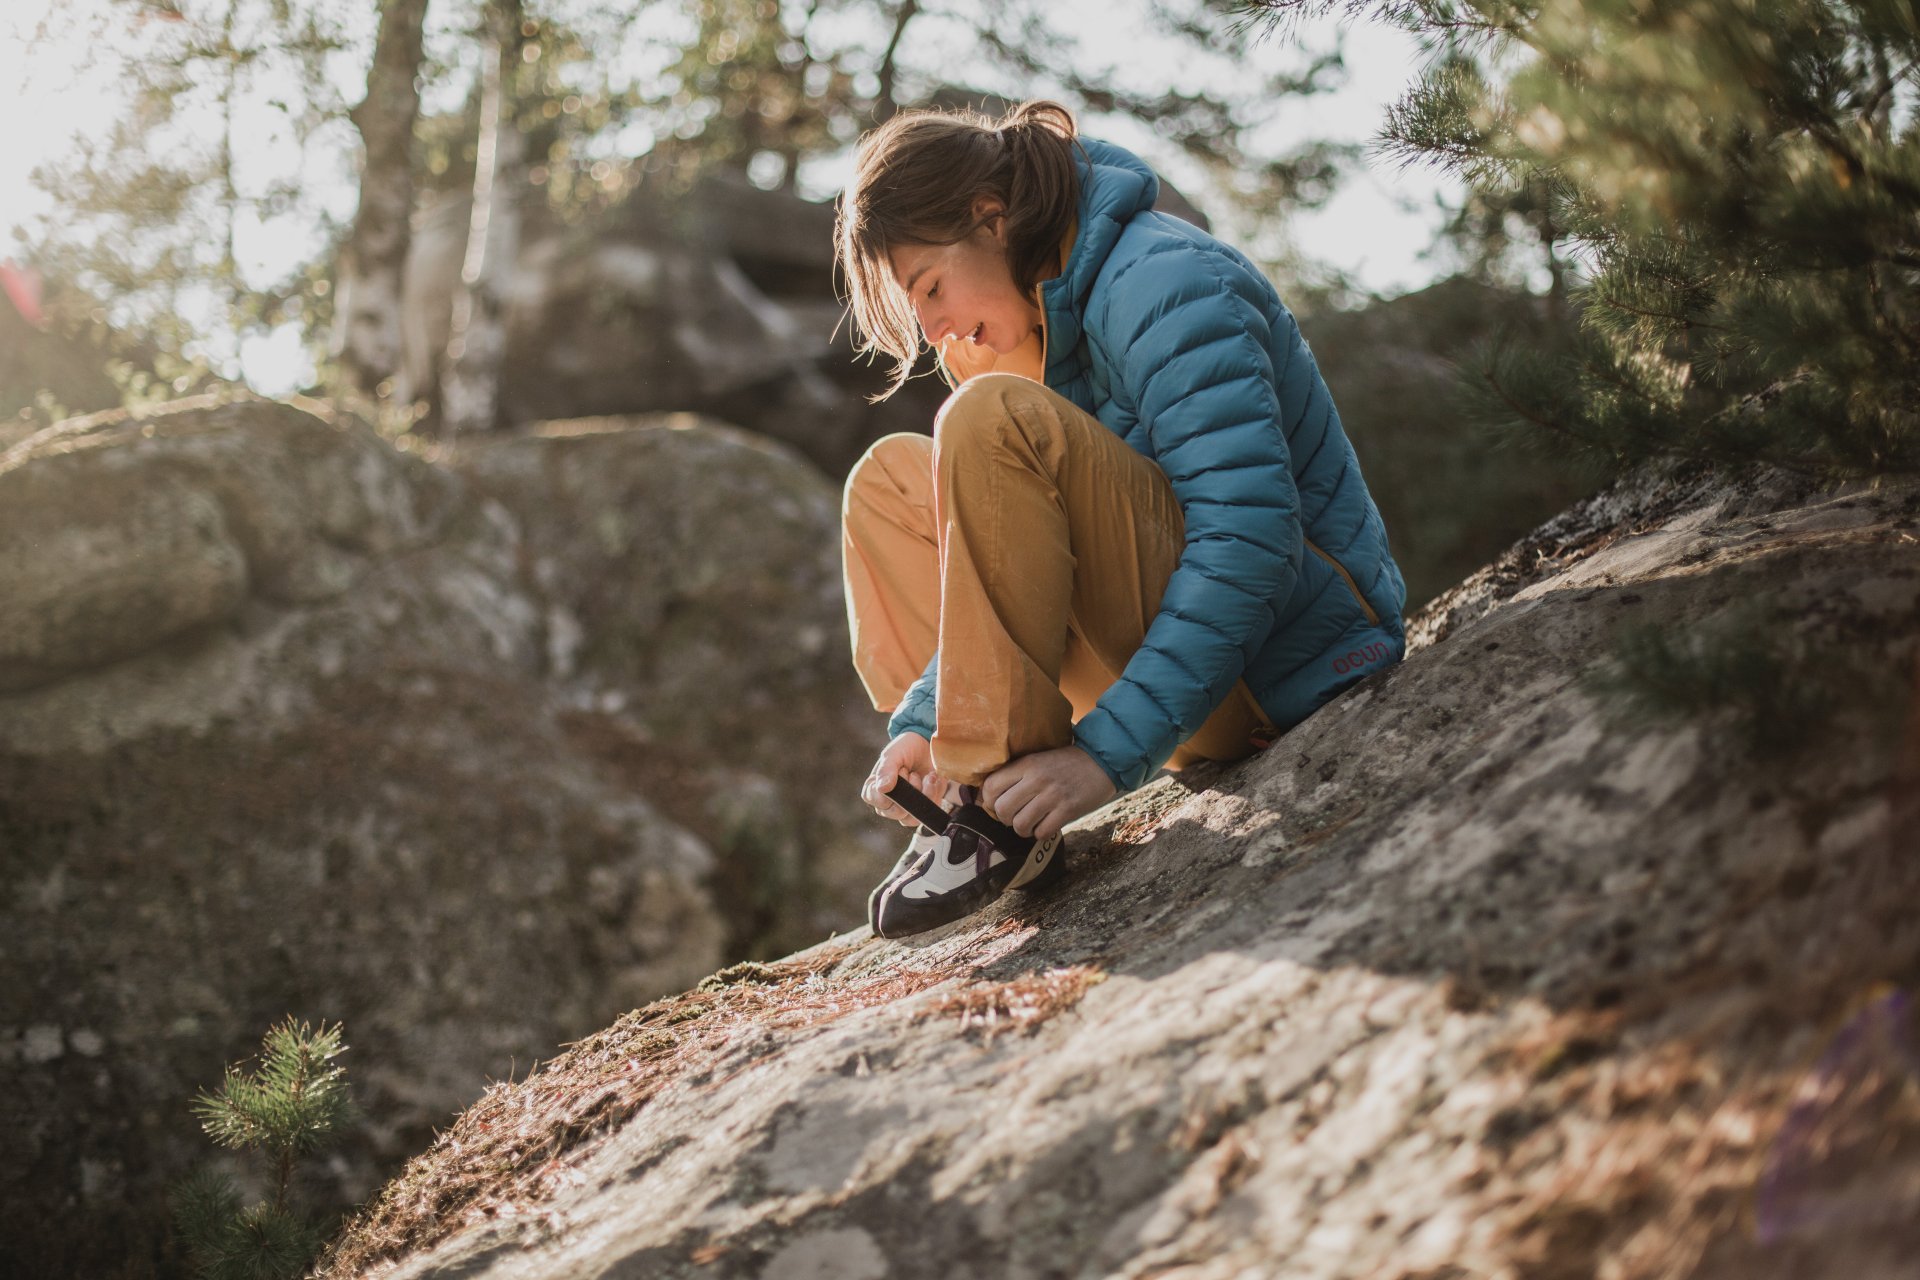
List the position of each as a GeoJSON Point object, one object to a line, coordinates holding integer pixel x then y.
{"type": "Point", "coordinates": [720, 299]}
{"type": "Point", "coordinates": [690, 574]}
{"type": "Point", "coordinates": [1461, 977]}
{"type": "Point", "coordinates": [292, 721]}
{"type": "Point", "coordinates": [670, 302]}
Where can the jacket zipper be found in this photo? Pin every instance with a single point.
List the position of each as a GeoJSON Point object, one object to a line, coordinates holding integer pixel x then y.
{"type": "Point", "coordinates": [1339, 568]}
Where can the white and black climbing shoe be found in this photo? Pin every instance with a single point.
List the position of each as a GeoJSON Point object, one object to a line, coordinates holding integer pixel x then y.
{"type": "Point", "coordinates": [957, 863]}
{"type": "Point", "coordinates": [923, 839]}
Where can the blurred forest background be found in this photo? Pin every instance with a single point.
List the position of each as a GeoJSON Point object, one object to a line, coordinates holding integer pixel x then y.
{"type": "Point", "coordinates": [391, 698]}
{"type": "Point", "coordinates": [298, 182]}
{"type": "Point", "coordinates": [419, 209]}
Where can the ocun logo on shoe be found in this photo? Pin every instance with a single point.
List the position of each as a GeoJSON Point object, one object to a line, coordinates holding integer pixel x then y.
{"type": "Point", "coordinates": [1353, 659]}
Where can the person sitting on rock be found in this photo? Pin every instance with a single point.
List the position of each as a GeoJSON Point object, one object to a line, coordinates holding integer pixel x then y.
{"type": "Point", "coordinates": [1138, 534]}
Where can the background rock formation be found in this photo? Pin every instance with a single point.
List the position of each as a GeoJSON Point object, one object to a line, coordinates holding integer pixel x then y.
{"type": "Point", "coordinates": [721, 301]}
{"type": "Point", "coordinates": [294, 722]}
{"type": "Point", "coordinates": [1455, 979]}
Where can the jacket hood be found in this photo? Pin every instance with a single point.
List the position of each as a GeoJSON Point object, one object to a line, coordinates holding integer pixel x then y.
{"type": "Point", "coordinates": [1114, 187]}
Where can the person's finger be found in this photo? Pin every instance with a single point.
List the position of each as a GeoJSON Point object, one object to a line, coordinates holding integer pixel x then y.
{"type": "Point", "coordinates": [1026, 804]}
{"type": "Point", "coordinates": [1008, 804]}
{"type": "Point", "coordinates": [874, 791]}
{"type": "Point", "coordinates": [991, 789]}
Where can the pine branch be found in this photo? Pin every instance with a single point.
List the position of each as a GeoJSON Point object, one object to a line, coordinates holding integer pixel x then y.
{"type": "Point", "coordinates": [1885, 88]}
{"type": "Point", "coordinates": [295, 1102]}
{"type": "Point", "coordinates": [1487, 370]}
{"type": "Point", "coordinates": [1681, 320]}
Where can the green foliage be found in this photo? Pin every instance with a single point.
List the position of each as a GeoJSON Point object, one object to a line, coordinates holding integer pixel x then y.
{"type": "Point", "coordinates": [295, 1102]}
{"type": "Point", "coordinates": [228, 1242]}
{"type": "Point", "coordinates": [1739, 181]}
{"type": "Point", "coordinates": [1773, 688]}
{"type": "Point", "coordinates": [211, 212]}
{"type": "Point", "coordinates": [159, 221]}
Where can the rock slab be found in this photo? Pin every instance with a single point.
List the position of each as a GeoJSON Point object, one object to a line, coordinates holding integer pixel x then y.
{"type": "Point", "coordinates": [1459, 978]}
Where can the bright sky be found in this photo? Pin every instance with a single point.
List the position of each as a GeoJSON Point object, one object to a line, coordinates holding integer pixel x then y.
{"type": "Point", "coordinates": [43, 108]}
{"type": "Point", "coordinates": [1377, 227]}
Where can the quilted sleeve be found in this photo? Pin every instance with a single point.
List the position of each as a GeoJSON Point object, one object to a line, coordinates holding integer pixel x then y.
{"type": "Point", "coordinates": [916, 707]}
{"type": "Point", "coordinates": [1188, 334]}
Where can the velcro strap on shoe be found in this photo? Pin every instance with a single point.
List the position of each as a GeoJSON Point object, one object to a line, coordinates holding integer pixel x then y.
{"type": "Point", "coordinates": [991, 831]}
{"type": "Point", "coordinates": [920, 805]}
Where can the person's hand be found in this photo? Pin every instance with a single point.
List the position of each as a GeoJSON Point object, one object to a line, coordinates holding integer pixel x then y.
{"type": "Point", "coordinates": [1039, 794]}
{"type": "Point", "coordinates": [911, 756]}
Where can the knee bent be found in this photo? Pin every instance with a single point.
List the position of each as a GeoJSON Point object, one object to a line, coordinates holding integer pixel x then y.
{"type": "Point", "coordinates": [894, 452]}
{"type": "Point", "coordinates": [978, 407]}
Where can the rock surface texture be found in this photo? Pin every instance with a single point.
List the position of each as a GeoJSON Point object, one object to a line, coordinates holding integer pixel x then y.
{"type": "Point", "coordinates": [294, 722]}
{"type": "Point", "coordinates": [1458, 979]}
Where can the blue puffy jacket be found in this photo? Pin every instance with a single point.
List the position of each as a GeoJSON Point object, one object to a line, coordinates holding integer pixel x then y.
{"type": "Point", "coordinates": [1178, 343]}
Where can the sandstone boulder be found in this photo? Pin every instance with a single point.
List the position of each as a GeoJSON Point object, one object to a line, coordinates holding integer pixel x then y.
{"type": "Point", "coordinates": [690, 574]}
{"type": "Point", "coordinates": [293, 722]}
{"type": "Point", "coordinates": [1461, 977]}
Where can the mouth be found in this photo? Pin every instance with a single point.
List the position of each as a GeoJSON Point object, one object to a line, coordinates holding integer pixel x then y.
{"type": "Point", "coordinates": [979, 331]}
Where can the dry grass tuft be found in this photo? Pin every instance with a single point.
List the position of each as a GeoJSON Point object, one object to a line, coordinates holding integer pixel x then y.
{"type": "Point", "coordinates": [1023, 1003]}
{"type": "Point", "coordinates": [518, 1145]}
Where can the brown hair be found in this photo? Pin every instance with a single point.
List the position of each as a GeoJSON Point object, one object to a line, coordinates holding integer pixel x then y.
{"type": "Point", "coordinates": [915, 180]}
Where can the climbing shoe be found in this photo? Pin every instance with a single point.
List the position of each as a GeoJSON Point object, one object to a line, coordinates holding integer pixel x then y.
{"type": "Point", "coordinates": [923, 838]}
{"type": "Point", "coordinates": [968, 860]}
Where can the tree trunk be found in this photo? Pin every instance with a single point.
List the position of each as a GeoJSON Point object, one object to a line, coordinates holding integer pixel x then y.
{"type": "Point", "coordinates": [366, 335]}
{"type": "Point", "coordinates": [470, 388]}
{"type": "Point", "coordinates": [884, 105]}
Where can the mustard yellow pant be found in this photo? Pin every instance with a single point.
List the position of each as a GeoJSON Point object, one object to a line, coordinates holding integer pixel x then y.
{"type": "Point", "coordinates": [1031, 545]}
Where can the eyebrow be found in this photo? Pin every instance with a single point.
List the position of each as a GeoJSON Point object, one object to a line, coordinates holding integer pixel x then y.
{"type": "Point", "coordinates": [917, 273]}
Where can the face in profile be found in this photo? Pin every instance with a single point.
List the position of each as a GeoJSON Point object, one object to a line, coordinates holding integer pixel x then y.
{"type": "Point", "coordinates": [964, 292]}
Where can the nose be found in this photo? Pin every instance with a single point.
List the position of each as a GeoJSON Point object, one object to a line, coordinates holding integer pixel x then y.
{"type": "Point", "coordinates": [933, 324]}
{"type": "Point", "coordinates": [934, 320]}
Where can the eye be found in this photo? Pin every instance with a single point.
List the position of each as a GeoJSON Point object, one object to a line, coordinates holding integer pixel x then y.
{"type": "Point", "coordinates": [930, 292]}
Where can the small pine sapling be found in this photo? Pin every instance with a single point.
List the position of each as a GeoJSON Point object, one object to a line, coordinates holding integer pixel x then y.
{"type": "Point", "coordinates": [294, 1104]}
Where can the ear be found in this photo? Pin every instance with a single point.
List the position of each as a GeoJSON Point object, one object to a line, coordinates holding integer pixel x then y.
{"type": "Point", "coordinates": [991, 207]}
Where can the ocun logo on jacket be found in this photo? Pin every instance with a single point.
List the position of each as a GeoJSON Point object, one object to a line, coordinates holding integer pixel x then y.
{"type": "Point", "coordinates": [1179, 344]}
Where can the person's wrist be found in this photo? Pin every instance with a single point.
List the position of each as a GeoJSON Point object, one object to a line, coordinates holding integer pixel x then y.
{"type": "Point", "coordinates": [1098, 768]}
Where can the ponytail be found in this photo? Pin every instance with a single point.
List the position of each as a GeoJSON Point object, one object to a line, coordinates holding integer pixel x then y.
{"type": "Point", "coordinates": [915, 181]}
